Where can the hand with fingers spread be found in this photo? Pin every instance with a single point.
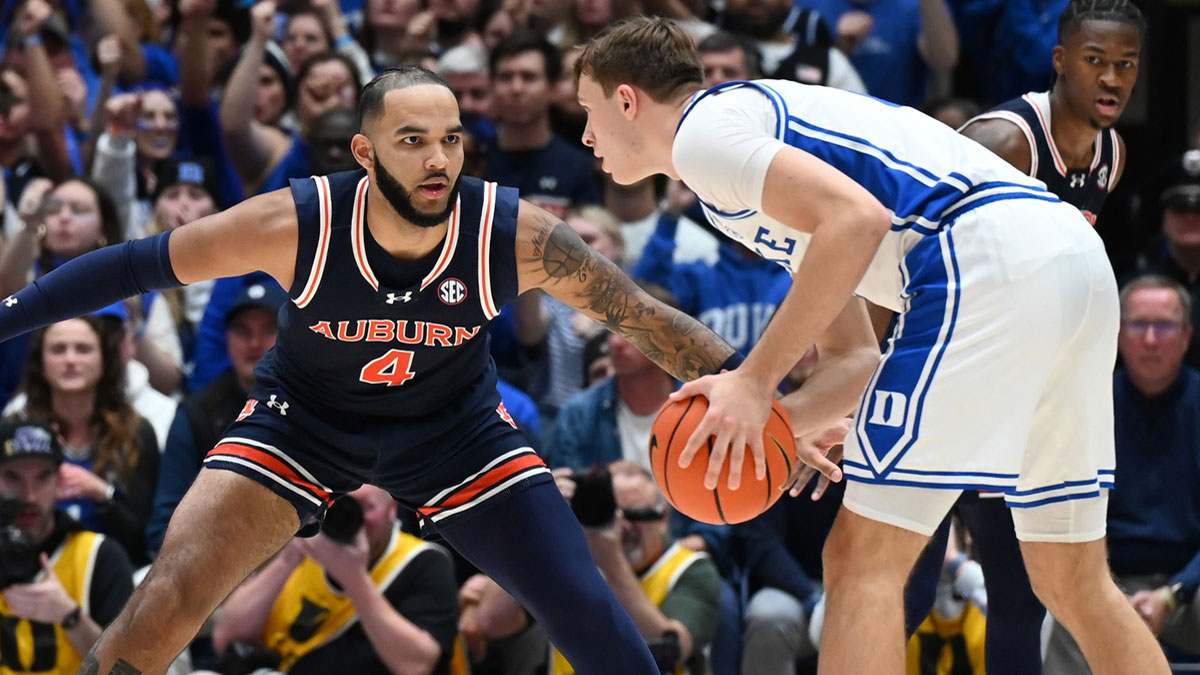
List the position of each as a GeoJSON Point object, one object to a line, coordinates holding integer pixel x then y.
{"type": "Point", "coordinates": [738, 407]}
{"type": "Point", "coordinates": [819, 452]}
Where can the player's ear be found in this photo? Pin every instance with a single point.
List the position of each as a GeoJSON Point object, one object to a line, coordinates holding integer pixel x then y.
{"type": "Point", "coordinates": [627, 98]}
{"type": "Point", "coordinates": [364, 152]}
{"type": "Point", "coordinates": [1059, 58]}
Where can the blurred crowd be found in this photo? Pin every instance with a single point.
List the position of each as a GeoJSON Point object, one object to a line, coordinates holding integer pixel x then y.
{"type": "Point", "coordinates": [124, 118]}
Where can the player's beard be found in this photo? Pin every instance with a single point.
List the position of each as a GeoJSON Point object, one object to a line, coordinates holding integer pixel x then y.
{"type": "Point", "coordinates": [401, 199]}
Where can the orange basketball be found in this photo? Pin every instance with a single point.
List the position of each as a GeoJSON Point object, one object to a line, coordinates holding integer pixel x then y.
{"type": "Point", "coordinates": [684, 488]}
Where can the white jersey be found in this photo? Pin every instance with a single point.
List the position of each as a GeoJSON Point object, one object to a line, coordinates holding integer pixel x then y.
{"type": "Point", "coordinates": [922, 171]}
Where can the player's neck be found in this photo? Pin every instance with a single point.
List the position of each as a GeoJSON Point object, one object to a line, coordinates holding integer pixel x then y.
{"type": "Point", "coordinates": [644, 392]}
{"type": "Point", "coordinates": [1074, 136]}
{"type": "Point", "coordinates": [533, 135]}
{"type": "Point", "coordinates": [395, 235]}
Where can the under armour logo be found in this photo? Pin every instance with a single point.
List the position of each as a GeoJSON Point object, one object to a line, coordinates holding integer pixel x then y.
{"type": "Point", "coordinates": [393, 298]}
{"type": "Point", "coordinates": [1078, 180]}
{"type": "Point", "coordinates": [282, 406]}
{"type": "Point", "coordinates": [10, 301]}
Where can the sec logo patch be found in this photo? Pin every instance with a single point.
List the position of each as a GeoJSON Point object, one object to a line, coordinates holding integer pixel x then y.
{"type": "Point", "coordinates": [452, 291]}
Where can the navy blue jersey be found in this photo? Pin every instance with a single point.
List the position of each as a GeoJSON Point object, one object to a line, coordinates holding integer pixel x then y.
{"type": "Point", "coordinates": [369, 335]}
{"type": "Point", "coordinates": [1085, 187]}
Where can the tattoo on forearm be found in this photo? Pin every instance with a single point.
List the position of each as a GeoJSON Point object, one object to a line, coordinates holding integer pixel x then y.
{"type": "Point", "coordinates": [90, 665]}
{"type": "Point", "coordinates": [672, 339]}
{"type": "Point", "coordinates": [122, 667]}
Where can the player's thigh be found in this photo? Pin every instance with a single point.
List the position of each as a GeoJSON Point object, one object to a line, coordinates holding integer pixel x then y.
{"type": "Point", "coordinates": [225, 527]}
{"type": "Point", "coordinates": [861, 546]}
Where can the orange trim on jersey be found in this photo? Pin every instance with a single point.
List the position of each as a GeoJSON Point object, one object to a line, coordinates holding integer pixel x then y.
{"type": "Point", "coordinates": [1112, 170]}
{"type": "Point", "coordinates": [484, 482]}
{"type": "Point", "coordinates": [487, 215]}
{"type": "Point", "coordinates": [448, 248]}
{"type": "Point", "coordinates": [325, 207]}
{"type": "Point", "coordinates": [270, 462]}
{"type": "Point", "coordinates": [358, 233]}
{"type": "Point", "coordinates": [1037, 110]}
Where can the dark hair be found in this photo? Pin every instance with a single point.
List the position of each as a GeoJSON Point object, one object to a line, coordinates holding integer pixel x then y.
{"type": "Point", "coordinates": [723, 41]}
{"type": "Point", "coordinates": [113, 424]}
{"type": "Point", "coordinates": [1078, 11]}
{"type": "Point", "coordinates": [650, 53]}
{"type": "Point", "coordinates": [370, 101]}
{"type": "Point", "coordinates": [524, 40]}
{"type": "Point", "coordinates": [111, 227]}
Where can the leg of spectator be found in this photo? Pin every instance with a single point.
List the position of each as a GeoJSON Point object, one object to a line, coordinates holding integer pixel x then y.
{"type": "Point", "coordinates": [531, 544]}
{"type": "Point", "coordinates": [1063, 656]}
{"type": "Point", "coordinates": [1074, 583]}
{"type": "Point", "coordinates": [776, 634]}
{"type": "Point", "coordinates": [921, 590]}
{"type": "Point", "coordinates": [727, 643]}
{"type": "Point", "coordinates": [1014, 613]}
{"type": "Point", "coordinates": [1183, 628]}
{"type": "Point", "coordinates": [225, 527]}
{"type": "Point", "coordinates": [866, 565]}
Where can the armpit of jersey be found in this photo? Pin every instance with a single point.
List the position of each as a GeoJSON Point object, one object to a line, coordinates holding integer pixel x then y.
{"type": "Point", "coordinates": [724, 147]}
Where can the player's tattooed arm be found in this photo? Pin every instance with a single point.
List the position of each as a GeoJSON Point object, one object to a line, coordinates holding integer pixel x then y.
{"type": "Point", "coordinates": [91, 666]}
{"type": "Point", "coordinates": [550, 256]}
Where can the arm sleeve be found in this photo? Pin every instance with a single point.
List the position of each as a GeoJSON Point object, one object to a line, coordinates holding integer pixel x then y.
{"type": "Point", "coordinates": [181, 461]}
{"type": "Point", "coordinates": [725, 146]}
{"type": "Point", "coordinates": [112, 583]}
{"type": "Point", "coordinates": [1190, 576]}
{"type": "Point", "coordinates": [72, 289]}
{"type": "Point", "coordinates": [695, 601]}
{"type": "Point", "coordinates": [125, 518]}
{"type": "Point", "coordinates": [425, 593]}
{"type": "Point", "coordinates": [768, 561]}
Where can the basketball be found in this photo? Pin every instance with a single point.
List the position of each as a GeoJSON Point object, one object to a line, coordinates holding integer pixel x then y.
{"type": "Point", "coordinates": [684, 488]}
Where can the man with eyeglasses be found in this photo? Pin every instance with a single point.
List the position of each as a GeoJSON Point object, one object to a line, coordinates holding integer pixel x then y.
{"type": "Point", "coordinates": [1179, 256]}
{"type": "Point", "coordinates": [1153, 514]}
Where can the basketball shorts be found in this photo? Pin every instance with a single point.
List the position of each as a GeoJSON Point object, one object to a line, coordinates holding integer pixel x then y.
{"type": "Point", "coordinates": [998, 377]}
{"type": "Point", "coordinates": [441, 467]}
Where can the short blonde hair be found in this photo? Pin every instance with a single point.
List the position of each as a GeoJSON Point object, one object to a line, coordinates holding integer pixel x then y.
{"type": "Point", "coordinates": [650, 53]}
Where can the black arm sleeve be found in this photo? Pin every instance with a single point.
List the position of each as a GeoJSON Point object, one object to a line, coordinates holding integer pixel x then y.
{"type": "Point", "coordinates": [112, 583]}
{"type": "Point", "coordinates": [125, 518]}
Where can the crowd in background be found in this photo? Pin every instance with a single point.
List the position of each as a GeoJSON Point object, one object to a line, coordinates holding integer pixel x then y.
{"type": "Point", "coordinates": [124, 118]}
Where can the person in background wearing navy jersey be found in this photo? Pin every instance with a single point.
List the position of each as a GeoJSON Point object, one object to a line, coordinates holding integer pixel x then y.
{"type": "Point", "coordinates": [1065, 138]}
{"type": "Point", "coordinates": [554, 173]}
{"type": "Point", "coordinates": [380, 374]}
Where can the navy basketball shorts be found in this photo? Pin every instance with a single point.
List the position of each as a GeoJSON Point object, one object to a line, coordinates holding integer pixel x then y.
{"type": "Point", "coordinates": [440, 466]}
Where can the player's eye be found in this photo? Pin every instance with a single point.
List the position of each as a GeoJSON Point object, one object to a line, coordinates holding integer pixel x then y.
{"type": "Point", "coordinates": [452, 139]}
{"type": "Point", "coordinates": [1126, 64]}
{"type": "Point", "coordinates": [1092, 59]}
{"type": "Point", "coordinates": [411, 140]}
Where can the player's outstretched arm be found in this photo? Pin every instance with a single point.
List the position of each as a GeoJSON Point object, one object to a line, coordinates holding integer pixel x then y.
{"type": "Point", "coordinates": [258, 234]}
{"type": "Point", "coordinates": [550, 256]}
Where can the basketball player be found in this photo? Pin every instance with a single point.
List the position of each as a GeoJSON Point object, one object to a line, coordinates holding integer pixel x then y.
{"type": "Point", "coordinates": [997, 377]}
{"type": "Point", "coordinates": [1064, 138]}
{"type": "Point", "coordinates": [380, 375]}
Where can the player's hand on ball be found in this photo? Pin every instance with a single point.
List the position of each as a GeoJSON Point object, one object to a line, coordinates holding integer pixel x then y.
{"type": "Point", "coordinates": [738, 408]}
{"type": "Point", "coordinates": [818, 452]}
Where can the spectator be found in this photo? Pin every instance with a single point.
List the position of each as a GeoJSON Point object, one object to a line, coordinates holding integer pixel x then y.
{"type": "Point", "coordinates": [951, 637]}
{"type": "Point", "coordinates": [383, 603]}
{"type": "Point", "coordinates": [465, 69]}
{"type": "Point", "coordinates": [549, 171]}
{"type": "Point", "coordinates": [894, 44]}
{"type": "Point", "coordinates": [953, 112]}
{"type": "Point", "coordinates": [794, 43]}
{"type": "Point", "coordinates": [735, 297]}
{"type": "Point", "coordinates": [251, 325]}
{"type": "Point", "coordinates": [672, 592]}
{"type": "Point", "coordinates": [1153, 512]}
{"type": "Point", "coordinates": [728, 58]}
{"type": "Point", "coordinates": [75, 378]}
{"type": "Point", "coordinates": [321, 28]}
{"type": "Point", "coordinates": [396, 30]}
{"type": "Point", "coordinates": [329, 141]}
{"type": "Point", "coordinates": [53, 616]}
{"type": "Point", "coordinates": [639, 211]}
{"type": "Point", "coordinates": [1178, 257]}
{"type": "Point", "coordinates": [212, 356]}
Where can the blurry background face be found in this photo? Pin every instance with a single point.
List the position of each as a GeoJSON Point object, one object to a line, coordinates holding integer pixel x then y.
{"type": "Point", "coordinates": [565, 99]}
{"type": "Point", "coordinates": [326, 85]}
{"type": "Point", "coordinates": [249, 334]}
{"type": "Point", "coordinates": [182, 203]}
{"type": "Point", "coordinates": [391, 15]}
{"type": "Point", "coordinates": [642, 541]}
{"type": "Point", "coordinates": [722, 67]}
{"type": "Point", "coordinates": [1182, 226]}
{"type": "Point", "coordinates": [1154, 334]}
{"type": "Point", "coordinates": [474, 92]}
{"type": "Point", "coordinates": [594, 13]}
{"type": "Point", "coordinates": [760, 19]}
{"type": "Point", "coordinates": [222, 44]}
{"type": "Point", "coordinates": [71, 358]}
{"type": "Point", "coordinates": [304, 37]}
{"type": "Point", "coordinates": [271, 98]}
{"type": "Point", "coordinates": [379, 513]}
{"type": "Point", "coordinates": [157, 126]}
{"type": "Point", "coordinates": [595, 236]}
{"type": "Point", "coordinates": [329, 141]}
{"type": "Point", "coordinates": [35, 482]}
{"type": "Point", "coordinates": [626, 359]}
{"type": "Point", "coordinates": [73, 225]}
{"type": "Point", "coordinates": [521, 88]}
{"type": "Point", "coordinates": [14, 108]}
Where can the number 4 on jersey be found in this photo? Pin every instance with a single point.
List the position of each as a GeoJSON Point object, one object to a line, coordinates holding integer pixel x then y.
{"type": "Point", "coordinates": [392, 369]}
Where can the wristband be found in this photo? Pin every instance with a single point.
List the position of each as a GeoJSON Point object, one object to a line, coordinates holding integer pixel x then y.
{"type": "Point", "coordinates": [1168, 597]}
{"type": "Point", "coordinates": [72, 618]}
{"type": "Point", "coordinates": [735, 359]}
